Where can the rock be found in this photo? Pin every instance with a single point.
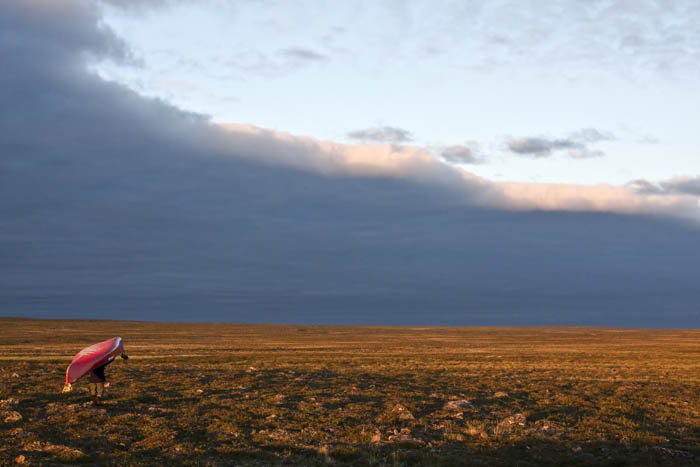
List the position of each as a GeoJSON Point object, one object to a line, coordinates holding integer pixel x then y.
{"type": "Point", "coordinates": [33, 446]}
{"type": "Point", "coordinates": [377, 438]}
{"type": "Point", "coordinates": [511, 423]}
{"type": "Point", "coordinates": [278, 399]}
{"type": "Point", "coordinates": [12, 416]}
{"type": "Point", "coordinates": [323, 451]}
{"type": "Point", "coordinates": [405, 437]}
{"type": "Point", "coordinates": [19, 459]}
{"type": "Point", "coordinates": [64, 453]}
{"type": "Point", "coordinates": [15, 375]}
{"type": "Point", "coordinates": [544, 425]}
{"type": "Point", "coordinates": [305, 406]}
{"type": "Point", "coordinates": [517, 419]}
{"type": "Point", "coordinates": [458, 405]}
{"type": "Point", "coordinates": [251, 369]}
{"type": "Point", "coordinates": [279, 434]}
{"type": "Point", "coordinates": [271, 417]}
{"type": "Point", "coordinates": [199, 391]}
{"type": "Point", "coordinates": [500, 394]}
{"type": "Point", "coordinates": [228, 434]}
{"type": "Point", "coordinates": [8, 404]}
{"type": "Point", "coordinates": [402, 412]}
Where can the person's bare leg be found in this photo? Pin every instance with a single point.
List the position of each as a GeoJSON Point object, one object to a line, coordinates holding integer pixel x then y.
{"type": "Point", "coordinates": [100, 387]}
{"type": "Point", "coordinates": [93, 391]}
{"type": "Point", "coordinates": [96, 387]}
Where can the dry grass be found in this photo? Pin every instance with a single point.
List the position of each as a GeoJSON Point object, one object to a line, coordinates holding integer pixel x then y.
{"type": "Point", "coordinates": [221, 394]}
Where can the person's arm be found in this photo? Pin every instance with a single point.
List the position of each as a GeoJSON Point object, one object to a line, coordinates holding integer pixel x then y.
{"type": "Point", "coordinates": [121, 347]}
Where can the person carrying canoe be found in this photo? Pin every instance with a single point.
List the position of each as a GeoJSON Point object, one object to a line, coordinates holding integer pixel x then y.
{"type": "Point", "coordinates": [98, 381]}
{"type": "Point", "coordinates": [93, 360]}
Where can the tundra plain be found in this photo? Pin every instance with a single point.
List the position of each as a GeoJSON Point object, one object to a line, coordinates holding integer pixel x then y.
{"type": "Point", "coordinates": [229, 394]}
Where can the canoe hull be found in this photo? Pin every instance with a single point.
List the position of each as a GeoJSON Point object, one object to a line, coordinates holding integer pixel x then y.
{"type": "Point", "coordinates": [93, 357]}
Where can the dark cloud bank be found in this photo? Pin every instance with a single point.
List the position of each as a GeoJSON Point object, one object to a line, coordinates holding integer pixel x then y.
{"type": "Point", "coordinates": [115, 206]}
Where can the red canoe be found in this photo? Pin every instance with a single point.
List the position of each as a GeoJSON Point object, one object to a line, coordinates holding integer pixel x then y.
{"type": "Point", "coordinates": [93, 357]}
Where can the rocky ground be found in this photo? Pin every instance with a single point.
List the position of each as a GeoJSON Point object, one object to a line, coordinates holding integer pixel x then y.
{"type": "Point", "coordinates": [206, 394]}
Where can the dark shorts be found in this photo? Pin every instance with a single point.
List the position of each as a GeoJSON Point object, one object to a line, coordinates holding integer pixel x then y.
{"type": "Point", "coordinates": [98, 375]}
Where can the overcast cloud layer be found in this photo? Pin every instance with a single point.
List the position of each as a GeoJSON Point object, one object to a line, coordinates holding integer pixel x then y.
{"type": "Point", "coordinates": [117, 206]}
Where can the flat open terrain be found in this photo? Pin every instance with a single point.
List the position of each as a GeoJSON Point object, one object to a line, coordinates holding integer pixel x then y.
{"type": "Point", "coordinates": [222, 394]}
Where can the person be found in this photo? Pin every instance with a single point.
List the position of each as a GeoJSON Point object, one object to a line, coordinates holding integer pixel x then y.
{"type": "Point", "coordinates": [98, 381]}
{"type": "Point", "coordinates": [92, 361]}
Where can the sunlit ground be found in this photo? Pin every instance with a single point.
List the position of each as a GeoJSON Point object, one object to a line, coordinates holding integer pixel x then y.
{"type": "Point", "coordinates": [221, 394]}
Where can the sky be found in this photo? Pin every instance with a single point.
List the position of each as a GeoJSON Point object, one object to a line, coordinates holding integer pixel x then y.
{"type": "Point", "coordinates": [473, 74]}
{"type": "Point", "coordinates": [481, 163]}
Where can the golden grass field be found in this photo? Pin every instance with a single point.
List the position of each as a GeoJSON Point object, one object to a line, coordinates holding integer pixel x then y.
{"type": "Point", "coordinates": [226, 394]}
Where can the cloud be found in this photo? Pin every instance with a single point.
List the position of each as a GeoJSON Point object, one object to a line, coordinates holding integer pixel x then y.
{"type": "Point", "coordinates": [302, 53]}
{"type": "Point", "coordinates": [462, 154]}
{"type": "Point", "coordinates": [384, 134]}
{"type": "Point", "coordinates": [113, 205]}
{"type": "Point", "coordinates": [423, 166]}
{"type": "Point", "coordinates": [97, 113]}
{"type": "Point", "coordinates": [648, 139]}
{"type": "Point", "coordinates": [582, 38]}
{"type": "Point", "coordinates": [603, 198]}
{"type": "Point", "coordinates": [273, 64]}
{"type": "Point", "coordinates": [73, 32]}
{"type": "Point", "coordinates": [585, 153]}
{"type": "Point", "coordinates": [577, 144]}
{"type": "Point", "coordinates": [644, 187]}
{"type": "Point", "coordinates": [539, 147]}
{"type": "Point", "coordinates": [139, 6]}
{"type": "Point", "coordinates": [591, 135]}
{"type": "Point", "coordinates": [686, 185]}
